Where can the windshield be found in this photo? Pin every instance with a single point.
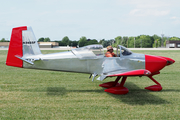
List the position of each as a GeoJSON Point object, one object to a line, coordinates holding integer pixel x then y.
{"type": "Point", "coordinates": [125, 51]}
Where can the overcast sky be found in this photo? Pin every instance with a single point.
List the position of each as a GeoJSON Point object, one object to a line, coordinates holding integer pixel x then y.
{"type": "Point", "coordinates": [94, 19]}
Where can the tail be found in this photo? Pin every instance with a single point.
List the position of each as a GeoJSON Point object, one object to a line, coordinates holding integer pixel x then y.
{"type": "Point", "coordinates": [23, 43]}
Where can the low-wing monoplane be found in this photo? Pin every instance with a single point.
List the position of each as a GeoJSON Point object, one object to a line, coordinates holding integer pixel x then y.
{"type": "Point", "coordinates": [24, 52]}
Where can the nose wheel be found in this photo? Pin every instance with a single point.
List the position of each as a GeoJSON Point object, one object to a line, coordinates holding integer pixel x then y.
{"type": "Point", "coordinates": [157, 87]}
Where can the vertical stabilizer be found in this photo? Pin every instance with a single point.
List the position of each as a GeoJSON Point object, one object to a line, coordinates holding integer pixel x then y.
{"type": "Point", "coordinates": [22, 44]}
{"type": "Point", "coordinates": [30, 44]}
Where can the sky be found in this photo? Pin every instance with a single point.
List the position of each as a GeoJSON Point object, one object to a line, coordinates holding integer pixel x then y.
{"type": "Point", "coordinates": [94, 19]}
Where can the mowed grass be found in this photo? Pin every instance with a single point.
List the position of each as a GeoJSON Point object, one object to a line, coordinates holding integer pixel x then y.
{"type": "Point", "coordinates": [38, 94]}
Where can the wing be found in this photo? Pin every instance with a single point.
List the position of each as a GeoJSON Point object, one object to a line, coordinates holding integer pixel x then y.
{"type": "Point", "coordinates": [140, 72]}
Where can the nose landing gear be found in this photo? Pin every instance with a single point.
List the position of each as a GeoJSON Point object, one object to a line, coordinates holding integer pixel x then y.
{"type": "Point", "coordinates": [157, 87]}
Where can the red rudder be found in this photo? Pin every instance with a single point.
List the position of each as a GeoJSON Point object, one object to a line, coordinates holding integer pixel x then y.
{"type": "Point", "coordinates": [15, 47]}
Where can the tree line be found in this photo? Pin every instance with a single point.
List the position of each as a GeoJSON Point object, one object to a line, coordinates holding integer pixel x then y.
{"type": "Point", "coordinates": [141, 41]}
{"type": "Point", "coordinates": [83, 41]}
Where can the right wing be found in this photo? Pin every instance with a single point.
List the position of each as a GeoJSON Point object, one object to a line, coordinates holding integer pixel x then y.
{"type": "Point", "coordinates": [140, 72]}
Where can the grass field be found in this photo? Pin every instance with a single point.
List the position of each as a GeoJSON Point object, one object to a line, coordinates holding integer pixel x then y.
{"type": "Point", "coordinates": [37, 94]}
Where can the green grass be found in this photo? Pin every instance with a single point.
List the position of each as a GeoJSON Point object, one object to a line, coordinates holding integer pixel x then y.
{"type": "Point", "coordinates": [37, 94]}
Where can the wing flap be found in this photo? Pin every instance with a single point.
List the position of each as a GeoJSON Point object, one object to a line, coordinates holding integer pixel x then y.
{"type": "Point", "coordinates": [141, 72]}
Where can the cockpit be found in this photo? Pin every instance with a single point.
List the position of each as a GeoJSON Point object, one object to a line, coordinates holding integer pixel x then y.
{"type": "Point", "coordinates": [96, 51]}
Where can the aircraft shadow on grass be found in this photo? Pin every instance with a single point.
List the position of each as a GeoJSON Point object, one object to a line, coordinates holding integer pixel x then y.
{"type": "Point", "coordinates": [63, 91]}
{"type": "Point", "coordinates": [136, 96]}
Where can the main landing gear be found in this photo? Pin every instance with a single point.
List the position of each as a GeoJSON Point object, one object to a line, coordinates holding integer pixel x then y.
{"type": "Point", "coordinates": [114, 87]}
{"type": "Point", "coordinates": [118, 88]}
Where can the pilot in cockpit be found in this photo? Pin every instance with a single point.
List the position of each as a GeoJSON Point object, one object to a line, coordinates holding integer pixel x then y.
{"type": "Point", "coordinates": [109, 52]}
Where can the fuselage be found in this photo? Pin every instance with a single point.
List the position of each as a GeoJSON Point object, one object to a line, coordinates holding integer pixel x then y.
{"type": "Point", "coordinates": [68, 61]}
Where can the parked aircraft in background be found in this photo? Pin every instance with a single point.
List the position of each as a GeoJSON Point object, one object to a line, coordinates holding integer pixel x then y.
{"type": "Point", "coordinates": [24, 52]}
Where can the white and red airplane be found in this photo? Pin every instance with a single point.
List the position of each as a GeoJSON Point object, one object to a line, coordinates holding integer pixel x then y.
{"type": "Point", "coordinates": [24, 52]}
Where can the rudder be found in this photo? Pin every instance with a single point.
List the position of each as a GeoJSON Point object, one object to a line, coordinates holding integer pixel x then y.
{"type": "Point", "coordinates": [23, 43]}
{"type": "Point", "coordinates": [15, 47]}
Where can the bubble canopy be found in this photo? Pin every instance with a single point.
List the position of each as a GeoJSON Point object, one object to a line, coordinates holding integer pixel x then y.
{"type": "Point", "coordinates": [89, 52]}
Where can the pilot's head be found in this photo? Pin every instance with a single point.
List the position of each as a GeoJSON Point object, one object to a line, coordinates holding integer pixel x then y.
{"type": "Point", "coordinates": [110, 48]}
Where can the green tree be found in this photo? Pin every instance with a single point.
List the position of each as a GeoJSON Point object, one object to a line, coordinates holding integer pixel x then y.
{"type": "Point", "coordinates": [90, 42]}
{"type": "Point", "coordinates": [4, 40]}
{"type": "Point", "coordinates": [174, 38]}
{"type": "Point", "coordinates": [131, 42]}
{"type": "Point", "coordinates": [47, 39]}
{"type": "Point", "coordinates": [138, 42]}
{"type": "Point", "coordinates": [145, 41]}
{"type": "Point", "coordinates": [124, 41]}
{"type": "Point", "coordinates": [41, 39]}
{"type": "Point", "coordinates": [73, 43]}
{"type": "Point", "coordinates": [155, 37]}
{"type": "Point", "coordinates": [66, 41]}
{"type": "Point", "coordinates": [101, 41]}
{"type": "Point", "coordinates": [82, 42]}
{"type": "Point", "coordinates": [60, 43]}
{"type": "Point", "coordinates": [118, 40]}
{"type": "Point", "coordinates": [157, 43]}
{"type": "Point", "coordinates": [107, 43]}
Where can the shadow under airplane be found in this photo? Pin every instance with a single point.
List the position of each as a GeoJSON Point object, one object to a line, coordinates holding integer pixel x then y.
{"type": "Point", "coordinates": [137, 96]}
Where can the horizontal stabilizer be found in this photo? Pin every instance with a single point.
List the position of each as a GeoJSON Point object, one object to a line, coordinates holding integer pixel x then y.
{"type": "Point", "coordinates": [141, 72]}
{"type": "Point", "coordinates": [29, 61]}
